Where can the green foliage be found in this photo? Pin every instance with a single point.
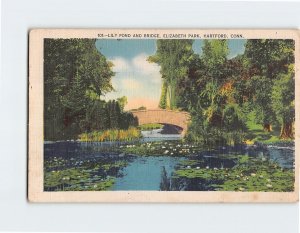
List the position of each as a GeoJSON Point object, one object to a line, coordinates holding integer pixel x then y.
{"type": "Point", "coordinates": [268, 61]}
{"type": "Point", "coordinates": [139, 108]}
{"type": "Point", "coordinates": [233, 118]}
{"type": "Point", "coordinates": [122, 102]}
{"type": "Point", "coordinates": [283, 102]}
{"type": "Point", "coordinates": [103, 115]}
{"type": "Point", "coordinates": [174, 57]}
{"type": "Point", "coordinates": [142, 108]}
{"type": "Point", "coordinates": [261, 101]}
{"type": "Point", "coordinates": [214, 57]}
{"type": "Point", "coordinates": [163, 98]}
{"type": "Point", "coordinates": [150, 126]}
{"type": "Point", "coordinates": [216, 118]}
{"type": "Point", "coordinates": [221, 92]}
{"type": "Point", "coordinates": [75, 74]}
{"type": "Point", "coordinates": [267, 57]}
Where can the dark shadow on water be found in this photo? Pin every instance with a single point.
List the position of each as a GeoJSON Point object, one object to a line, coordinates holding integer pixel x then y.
{"type": "Point", "coordinates": [171, 129]}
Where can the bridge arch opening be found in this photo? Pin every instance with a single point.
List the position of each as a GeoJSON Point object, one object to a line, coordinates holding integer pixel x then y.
{"type": "Point", "coordinates": [171, 129]}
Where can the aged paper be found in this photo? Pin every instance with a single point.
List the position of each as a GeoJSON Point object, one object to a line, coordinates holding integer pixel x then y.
{"type": "Point", "coordinates": [163, 115]}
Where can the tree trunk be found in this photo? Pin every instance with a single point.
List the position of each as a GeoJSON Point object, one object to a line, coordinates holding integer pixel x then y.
{"type": "Point", "coordinates": [267, 127]}
{"type": "Point", "coordinates": [287, 130]}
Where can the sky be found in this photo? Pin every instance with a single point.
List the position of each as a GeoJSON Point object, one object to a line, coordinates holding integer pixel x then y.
{"type": "Point", "coordinates": [135, 77]}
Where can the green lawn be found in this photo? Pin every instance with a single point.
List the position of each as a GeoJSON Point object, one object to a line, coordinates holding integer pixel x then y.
{"type": "Point", "coordinates": [256, 132]}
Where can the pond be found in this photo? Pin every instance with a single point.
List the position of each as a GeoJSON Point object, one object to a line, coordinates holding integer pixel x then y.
{"type": "Point", "coordinates": [155, 163]}
{"type": "Point", "coordinates": [145, 173]}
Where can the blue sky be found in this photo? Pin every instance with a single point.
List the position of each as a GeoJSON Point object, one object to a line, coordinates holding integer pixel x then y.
{"type": "Point", "coordinates": [135, 77]}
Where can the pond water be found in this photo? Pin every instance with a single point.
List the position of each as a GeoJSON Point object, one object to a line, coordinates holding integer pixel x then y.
{"type": "Point", "coordinates": [144, 173]}
{"type": "Point", "coordinates": [100, 161]}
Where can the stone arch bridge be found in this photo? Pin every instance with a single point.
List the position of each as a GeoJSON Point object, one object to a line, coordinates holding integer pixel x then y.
{"type": "Point", "coordinates": [163, 116]}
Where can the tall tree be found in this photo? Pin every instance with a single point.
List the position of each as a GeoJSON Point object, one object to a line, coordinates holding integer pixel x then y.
{"type": "Point", "coordinates": [214, 57]}
{"type": "Point", "coordinates": [174, 57]}
{"type": "Point", "coordinates": [283, 102]}
{"type": "Point", "coordinates": [267, 61]}
{"type": "Point", "coordinates": [163, 101]}
{"type": "Point", "coordinates": [75, 73]}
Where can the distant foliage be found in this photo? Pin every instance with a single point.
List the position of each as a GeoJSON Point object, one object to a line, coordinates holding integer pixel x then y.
{"type": "Point", "coordinates": [150, 126]}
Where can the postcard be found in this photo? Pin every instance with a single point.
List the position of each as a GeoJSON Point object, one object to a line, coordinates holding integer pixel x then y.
{"type": "Point", "coordinates": [163, 115]}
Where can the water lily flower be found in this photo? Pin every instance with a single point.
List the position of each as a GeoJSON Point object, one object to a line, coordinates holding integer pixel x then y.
{"type": "Point", "coordinates": [166, 152]}
{"type": "Point", "coordinates": [241, 189]}
{"type": "Point", "coordinates": [215, 168]}
{"type": "Point", "coordinates": [253, 174]}
{"type": "Point", "coordinates": [261, 176]}
{"type": "Point", "coordinates": [171, 153]}
{"type": "Point", "coordinates": [188, 167]}
{"type": "Point", "coordinates": [207, 167]}
{"type": "Point", "coordinates": [197, 167]}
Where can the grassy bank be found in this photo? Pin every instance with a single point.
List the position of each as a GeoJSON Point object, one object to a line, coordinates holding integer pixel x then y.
{"type": "Point", "coordinates": [256, 133]}
{"type": "Point", "coordinates": [111, 135]}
